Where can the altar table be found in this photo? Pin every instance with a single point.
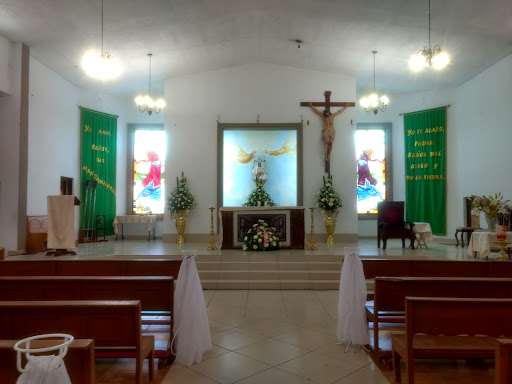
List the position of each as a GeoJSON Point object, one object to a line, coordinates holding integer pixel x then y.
{"type": "Point", "coordinates": [289, 222]}
{"type": "Point", "coordinates": [423, 233]}
{"type": "Point", "coordinates": [482, 242]}
{"type": "Point", "coordinates": [119, 221]}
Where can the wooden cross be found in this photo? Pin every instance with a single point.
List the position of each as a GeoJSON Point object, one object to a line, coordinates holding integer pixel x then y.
{"type": "Point", "coordinates": [328, 117]}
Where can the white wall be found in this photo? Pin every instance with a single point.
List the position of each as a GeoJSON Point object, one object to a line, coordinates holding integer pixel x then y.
{"type": "Point", "coordinates": [5, 78]}
{"type": "Point", "coordinates": [54, 136]}
{"type": "Point", "coordinates": [483, 113]}
{"type": "Point", "coordinates": [9, 153]}
{"type": "Point", "coordinates": [239, 95]}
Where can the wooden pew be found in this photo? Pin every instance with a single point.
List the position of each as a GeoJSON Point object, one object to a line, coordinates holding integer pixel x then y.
{"type": "Point", "coordinates": [79, 360]}
{"type": "Point", "coordinates": [156, 294]}
{"type": "Point", "coordinates": [503, 361]}
{"type": "Point", "coordinates": [84, 267]}
{"type": "Point", "coordinates": [159, 267]}
{"type": "Point", "coordinates": [390, 293]}
{"type": "Point", "coordinates": [36, 233]}
{"type": "Point", "coordinates": [115, 326]}
{"type": "Point", "coordinates": [441, 320]}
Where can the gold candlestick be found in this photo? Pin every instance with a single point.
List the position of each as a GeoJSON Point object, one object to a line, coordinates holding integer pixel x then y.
{"type": "Point", "coordinates": [502, 243]}
{"type": "Point", "coordinates": [211, 245]}
{"type": "Point", "coordinates": [312, 243]}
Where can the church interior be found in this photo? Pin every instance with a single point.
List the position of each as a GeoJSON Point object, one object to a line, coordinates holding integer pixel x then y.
{"type": "Point", "coordinates": [140, 138]}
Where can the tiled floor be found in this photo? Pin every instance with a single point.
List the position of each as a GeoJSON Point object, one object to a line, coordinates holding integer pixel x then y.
{"type": "Point", "coordinates": [283, 337]}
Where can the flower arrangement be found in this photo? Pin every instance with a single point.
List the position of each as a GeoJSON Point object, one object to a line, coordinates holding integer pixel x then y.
{"type": "Point", "coordinates": [259, 197]}
{"type": "Point", "coordinates": [261, 237]}
{"type": "Point", "coordinates": [491, 205]}
{"type": "Point", "coordinates": [181, 198]}
{"type": "Point", "coordinates": [328, 198]}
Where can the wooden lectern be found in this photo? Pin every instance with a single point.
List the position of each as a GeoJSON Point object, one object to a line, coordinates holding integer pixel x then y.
{"type": "Point", "coordinates": [61, 224]}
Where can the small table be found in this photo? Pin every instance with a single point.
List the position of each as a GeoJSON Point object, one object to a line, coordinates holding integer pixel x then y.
{"type": "Point", "coordinates": [482, 242]}
{"type": "Point", "coordinates": [423, 233]}
{"type": "Point", "coordinates": [131, 219]}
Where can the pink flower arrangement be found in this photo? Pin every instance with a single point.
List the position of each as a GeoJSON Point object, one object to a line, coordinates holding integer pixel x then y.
{"type": "Point", "coordinates": [261, 237]}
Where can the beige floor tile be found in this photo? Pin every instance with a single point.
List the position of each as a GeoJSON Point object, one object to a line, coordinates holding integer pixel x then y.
{"type": "Point", "coordinates": [275, 376]}
{"type": "Point", "coordinates": [320, 368]}
{"type": "Point", "coordinates": [214, 351]}
{"type": "Point", "coordinates": [235, 338]}
{"type": "Point", "coordinates": [308, 339]}
{"type": "Point", "coordinates": [185, 375]}
{"type": "Point", "coordinates": [217, 326]}
{"type": "Point", "coordinates": [355, 354]}
{"type": "Point", "coordinates": [272, 352]}
{"type": "Point", "coordinates": [365, 376]}
{"type": "Point", "coordinates": [270, 328]}
{"type": "Point", "coordinates": [229, 367]}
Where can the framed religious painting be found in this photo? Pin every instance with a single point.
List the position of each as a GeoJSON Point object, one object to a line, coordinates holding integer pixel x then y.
{"type": "Point", "coordinates": [146, 169]}
{"type": "Point", "coordinates": [373, 164]}
{"type": "Point", "coordinates": [259, 164]}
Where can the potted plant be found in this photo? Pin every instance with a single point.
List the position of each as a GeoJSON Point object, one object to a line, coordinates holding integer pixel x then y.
{"type": "Point", "coordinates": [329, 201]}
{"type": "Point", "coordinates": [179, 204]}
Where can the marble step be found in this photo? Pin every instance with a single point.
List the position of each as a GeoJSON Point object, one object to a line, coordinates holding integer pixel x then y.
{"type": "Point", "coordinates": [268, 275]}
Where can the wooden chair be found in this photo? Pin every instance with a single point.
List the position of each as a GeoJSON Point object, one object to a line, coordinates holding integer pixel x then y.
{"type": "Point", "coordinates": [391, 223]}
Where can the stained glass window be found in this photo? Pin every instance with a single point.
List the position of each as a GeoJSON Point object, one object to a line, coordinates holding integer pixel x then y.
{"type": "Point", "coordinates": [148, 192]}
{"type": "Point", "coordinates": [372, 165]}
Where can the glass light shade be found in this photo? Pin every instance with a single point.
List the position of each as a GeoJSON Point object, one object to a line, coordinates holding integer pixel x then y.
{"type": "Point", "coordinates": [374, 100]}
{"type": "Point", "coordinates": [440, 60]}
{"type": "Point", "coordinates": [385, 100]}
{"type": "Point", "coordinates": [417, 62]}
{"type": "Point", "coordinates": [101, 65]}
{"type": "Point", "coordinates": [365, 103]}
{"type": "Point", "coordinates": [160, 103]}
{"type": "Point", "coordinates": [139, 100]}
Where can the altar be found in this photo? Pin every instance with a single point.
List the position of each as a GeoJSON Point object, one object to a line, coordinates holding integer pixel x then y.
{"type": "Point", "coordinates": [236, 221]}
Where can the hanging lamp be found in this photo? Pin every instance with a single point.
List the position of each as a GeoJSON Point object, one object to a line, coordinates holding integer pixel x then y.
{"type": "Point", "coordinates": [101, 65]}
{"type": "Point", "coordinates": [372, 103]}
{"type": "Point", "coordinates": [146, 103]}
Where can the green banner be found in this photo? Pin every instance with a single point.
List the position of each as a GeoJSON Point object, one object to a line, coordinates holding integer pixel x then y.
{"type": "Point", "coordinates": [425, 168]}
{"type": "Point", "coordinates": [98, 164]}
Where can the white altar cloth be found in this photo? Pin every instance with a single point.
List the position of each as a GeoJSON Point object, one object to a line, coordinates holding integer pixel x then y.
{"type": "Point", "coordinates": [482, 242]}
{"type": "Point", "coordinates": [134, 219]}
{"type": "Point", "coordinates": [424, 233]}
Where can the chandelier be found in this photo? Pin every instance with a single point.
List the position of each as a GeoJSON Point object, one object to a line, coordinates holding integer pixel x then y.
{"type": "Point", "coordinates": [371, 103]}
{"type": "Point", "coordinates": [101, 65]}
{"type": "Point", "coordinates": [146, 103]}
{"type": "Point", "coordinates": [429, 56]}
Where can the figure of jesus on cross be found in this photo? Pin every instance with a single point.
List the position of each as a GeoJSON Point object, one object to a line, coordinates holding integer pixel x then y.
{"type": "Point", "coordinates": [328, 133]}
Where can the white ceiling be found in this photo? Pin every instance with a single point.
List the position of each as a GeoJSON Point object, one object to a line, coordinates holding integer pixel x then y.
{"type": "Point", "coordinates": [189, 36]}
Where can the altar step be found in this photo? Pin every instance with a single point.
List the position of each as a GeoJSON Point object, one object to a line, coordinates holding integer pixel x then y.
{"type": "Point", "coordinates": [275, 274]}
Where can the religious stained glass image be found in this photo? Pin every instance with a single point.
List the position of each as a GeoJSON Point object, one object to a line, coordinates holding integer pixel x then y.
{"type": "Point", "coordinates": [371, 169]}
{"type": "Point", "coordinates": [265, 156]}
{"type": "Point", "coordinates": [148, 171]}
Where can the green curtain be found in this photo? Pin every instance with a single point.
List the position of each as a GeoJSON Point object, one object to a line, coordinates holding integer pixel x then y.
{"type": "Point", "coordinates": [98, 163]}
{"type": "Point", "coordinates": [425, 168]}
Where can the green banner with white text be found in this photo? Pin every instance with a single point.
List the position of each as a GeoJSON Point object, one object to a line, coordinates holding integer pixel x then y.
{"type": "Point", "coordinates": [98, 168]}
{"type": "Point", "coordinates": [425, 168]}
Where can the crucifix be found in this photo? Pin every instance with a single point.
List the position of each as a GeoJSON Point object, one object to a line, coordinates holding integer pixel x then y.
{"type": "Point", "coordinates": [328, 117]}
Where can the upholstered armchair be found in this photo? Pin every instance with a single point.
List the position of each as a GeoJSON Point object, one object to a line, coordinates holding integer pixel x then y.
{"type": "Point", "coordinates": [392, 225]}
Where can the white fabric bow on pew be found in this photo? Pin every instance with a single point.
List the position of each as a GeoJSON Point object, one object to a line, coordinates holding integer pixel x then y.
{"type": "Point", "coordinates": [352, 324]}
{"type": "Point", "coordinates": [192, 336]}
{"type": "Point", "coordinates": [44, 370]}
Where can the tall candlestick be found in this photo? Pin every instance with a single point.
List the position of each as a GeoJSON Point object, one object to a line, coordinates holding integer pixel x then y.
{"type": "Point", "coordinates": [211, 245]}
{"type": "Point", "coordinates": [312, 243]}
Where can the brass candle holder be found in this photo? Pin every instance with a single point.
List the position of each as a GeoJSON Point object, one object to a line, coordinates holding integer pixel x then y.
{"type": "Point", "coordinates": [502, 243]}
{"type": "Point", "coordinates": [312, 243]}
{"type": "Point", "coordinates": [211, 245]}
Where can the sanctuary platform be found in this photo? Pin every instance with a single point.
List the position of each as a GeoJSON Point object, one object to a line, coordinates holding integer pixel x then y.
{"type": "Point", "coordinates": [286, 268]}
